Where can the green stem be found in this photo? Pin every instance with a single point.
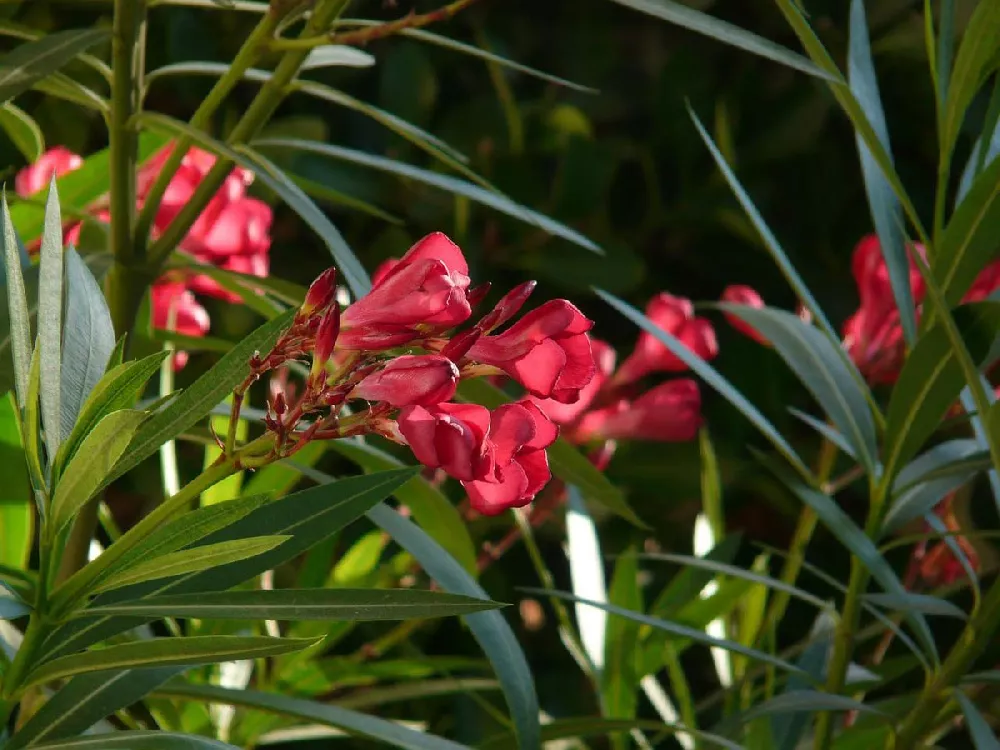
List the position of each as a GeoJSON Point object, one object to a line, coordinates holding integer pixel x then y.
{"type": "Point", "coordinates": [74, 554]}
{"type": "Point", "coordinates": [270, 96]}
{"type": "Point", "coordinates": [126, 283]}
{"type": "Point", "coordinates": [248, 55]}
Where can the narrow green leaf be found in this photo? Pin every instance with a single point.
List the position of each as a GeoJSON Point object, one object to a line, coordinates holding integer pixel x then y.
{"type": "Point", "coordinates": [496, 201]}
{"type": "Point", "coordinates": [854, 539]}
{"type": "Point", "coordinates": [807, 701]}
{"type": "Point", "coordinates": [190, 561]}
{"type": "Point", "coordinates": [979, 729]}
{"type": "Point", "coordinates": [117, 389]}
{"type": "Point", "coordinates": [347, 262]}
{"type": "Point", "coordinates": [690, 561]}
{"type": "Point", "coordinates": [945, 49]}
{"type": "Point", "coordinates": [16, 513]}
{"type": "Point", "coordinates": [586, 726]}
{"type": "Point", "coordinates": [887, 214]}
{"type": "Point", "coordinates": [415, 690]}
{"type": "Point", "coordinates": [489, 628]}
{"type": "Point", "coordinates": [711, 376]}
{"type": "Point", "coordinates": [787, 729]}
{"type": "Point", "coordinates": [925, 481]}
{"type": "Point", "coordinates": [701, 23]}
{"type": "Point", "coordinates": [17, 302]}
{"type": "Point", "coordinates": [33, 428]}
{"type": "Point", "coordinates": [826, 431]}
{"type": "Point", "coordinates": [429, 506]}
{"type": "Point", "coordinates": [565, 460]}
{"type": "Point", "coordinates": [11, 605]}
{"type": "Point", "coordinates": [87, 699]}
{"type": "Point", "coordinates": [796, 18]}
{"type": "Point", "coordinates": [975, 61]}
{"type": "Point", "coordinates": [32, 61]}
{"type": "Point", "coordinates": [301, 604]}
{"type": "Point", "coordinates": [771, 243]}
{"type": "Point", "coordinates": [924, 603]}
{"type": "Point", "coordinates": [88, 339]}
{"type": "Point", "coordinates": [87, 472]}
{"type": "Point", "coordinates": [836, 385]}
{"type": "Point", "coordinates": [23, 131]}
{"type": "Point", "coordinates": [968, 242]}
{"type": "Point", "coordinates": [198, 399]}
{"type": "Point", "coordinates": [162, 652]}
{"type": "Point", "coordinates": [351, 722]}
{"type": "Point", "coordinates": [309, 517]}
{"type": "Point", "coordinates": [948, 539]}
{"type": "Point", "coordinates": [674, 628]}
{"type": "Point", "coordinates": [50, 304]}
{"type": "Point", "coordinates": [139, 740]}
{"type": "Point", "coordinates": [931, 381]}
{"type": "Point", "coordinates": [621, 674]}
{"type": "Point", "coordinates": [337, 55]}
{"type": "Point", "coordinates": [986, 148]}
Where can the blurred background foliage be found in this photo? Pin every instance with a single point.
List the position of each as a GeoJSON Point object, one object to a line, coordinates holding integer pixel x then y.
{"type": "Point", "coordinates": [624, 165]}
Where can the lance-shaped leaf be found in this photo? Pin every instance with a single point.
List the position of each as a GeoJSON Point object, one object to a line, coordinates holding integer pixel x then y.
{"type": "Point", "coordinates": [33, 61]}
{"type": "Point", "coordinates": [19, 334]}
{"type": "Point", "coordinates": [138, 739]}
{"type": "Point", "coordinates": [50, 304]}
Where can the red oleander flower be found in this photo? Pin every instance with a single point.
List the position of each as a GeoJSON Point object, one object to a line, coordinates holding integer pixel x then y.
{"type": "Point", "coordinates": [451, 437]}
{"type": "Point", "coordinates": [547, 351]}
{"type": "Point", "coordinates": [740, 294]}
{"type": "Point", "coordinates": [174, 307]}
{"type": "Point", "coordinates": [670, 412]}
{"type": "Point", "coordinates": [675, 315]}
{"type": "Point", "coordinates": [35, 177]}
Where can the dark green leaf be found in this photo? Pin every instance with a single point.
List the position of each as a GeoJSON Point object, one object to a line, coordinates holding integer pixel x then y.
{"type": "Point", "coordinates": [347, 263]}
{"type": "Point", "coordinates": [979, 729]}
{"type": "Point", "coordinates": [139, 740]}
{"type": "Point", "coordinates": [352, 722]}
{"type": "Point", "coordinates": [198, 399]}
{"type": "Point", "coordinates": [771, 243]}
{"type": "Point", "coordinates": [189, 561]}
{"type": "Point", "coordinates": [854, 539]}
{"type": "Point", "coordinates": [931, 381]}
{"type": "Point", "coordinates": [429, 506]}
{"type": "Point", "coordinates": [787, 729]}
{"type": "Point", "coordinates": [489, 628]}
{"type": "Point", "coordinates": [88, 339]}
{"type": "Point", "coordinates": [23, 131]}
{"type": "Point", "coordinates": [711, 377]}
{"type": "Point", "coordinates": [32, 61]}
{"type": "Point", "coordinates": [975, 61]}
{"type": "Point", "coordinates": [621, 674]}
{"type": "Point", "coordinates": [87, 699]}
{"type": "Point", "coordinates": [87, 472]}
{"type": "Point", "coordinates": [674, 628]}
{"type": "Point", "coordinates": [586, 726]}
{"type": "Point", "coordinates": [309, 517]}
{"type": "Point", "coordinates": [826, 431]}
{"type": "Point", "coordinates": [817, 362]}
{"type": "Point", "coordinates": [473, 192]}
{"type": "Point", "coordinates": [162, 652]}
{"type": "Point", "coordinates": [886, 212]}
{"type": "Point", "coordinates": [928, 605]}
{"type": "Point", "coordinates": [302, 604]}
{"type": "Point", "coordinates": [689, 18]}
{"type": "Point", "coordinates": [807, 701]}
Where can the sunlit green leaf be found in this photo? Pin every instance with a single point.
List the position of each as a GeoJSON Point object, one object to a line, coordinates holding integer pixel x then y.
{"type": "Point", "coordinates": [23, 131]}
{"type": "Point", "coordinates": [620, 677]}
{"type": "Point", "coordinates": [16, 510]}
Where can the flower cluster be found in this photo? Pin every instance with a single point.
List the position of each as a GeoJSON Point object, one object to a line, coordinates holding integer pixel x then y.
{"type": "Point", "coordinates": [396, 350]}
{"type": "Point", "coordinates": [233, 232]}
{"type": "Point", "coordinates": [610, 408]}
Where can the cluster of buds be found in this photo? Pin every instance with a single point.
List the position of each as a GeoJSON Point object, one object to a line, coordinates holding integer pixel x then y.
{"type": "Point", "coordinates": [390, 363]}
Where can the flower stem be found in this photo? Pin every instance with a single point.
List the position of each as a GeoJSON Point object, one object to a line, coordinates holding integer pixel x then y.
{"type": "Point", "coordinates": [126, 281]}
{"type": "Point", "coordinates": [247, 56]}
{"type": "Point", "coordinates": [259, 112]}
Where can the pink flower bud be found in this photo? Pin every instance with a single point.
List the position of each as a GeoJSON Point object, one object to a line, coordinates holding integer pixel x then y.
{"type": "Point", "coordinates": [35, 177]}
{"type": "Point", "coordinates": [321, 293]}
{"type": "Point", "coordinates": [675, 315]}
{"type": "Point", "coordinates": [743, 295]}
{"type": "Point", "coordinates": [411, 380]}
{"type": "Point", "coordinates": [459, 346]}
{"type": "Point", "coordinates": [509, 305]}
{"type": "Point", "coordinates": [449, 437]}
{"type": "Point", "coordinates": [478, 294]}
{"type": "Point", "coordinates": [326, 339]}
{"type": "Point", "coordinates": [547, 351]}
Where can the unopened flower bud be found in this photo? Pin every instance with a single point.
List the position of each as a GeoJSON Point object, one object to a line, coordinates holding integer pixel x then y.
{"type": "Point", "coordinates": [326, 340]}
{"type": "Point", "coordinates": [478, 294]}
{"type": "Point", "coordinates": [320, 295]}
{"type": "Point", "coordinates": [507, 307]}
{"type": "Point", "coordinates": [411, 380]}
{"type": "Point", "coordinates": [278, 405]}
{"type": "Point", "coordinates": [459, 346]}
